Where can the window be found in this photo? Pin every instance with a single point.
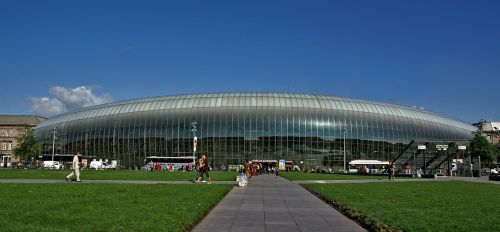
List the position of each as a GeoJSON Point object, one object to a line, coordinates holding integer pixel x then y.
{"type": "Point", "coordinates": [6, 146]}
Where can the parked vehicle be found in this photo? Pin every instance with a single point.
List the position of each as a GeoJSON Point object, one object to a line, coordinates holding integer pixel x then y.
{"type": "Point", "coordinates": [51, 164]}
{"type": "Point", "coordinates": [100, 165]}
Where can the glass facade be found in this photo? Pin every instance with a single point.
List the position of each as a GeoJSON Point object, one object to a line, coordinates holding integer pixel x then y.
{"type": "Point", "coordinates": [232, 127]}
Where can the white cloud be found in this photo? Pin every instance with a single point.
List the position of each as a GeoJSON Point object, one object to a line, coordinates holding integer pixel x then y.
{"type": "Point", "coordinates": [47, 107]}
{"type": "Point", "coordinates": [64, 99]}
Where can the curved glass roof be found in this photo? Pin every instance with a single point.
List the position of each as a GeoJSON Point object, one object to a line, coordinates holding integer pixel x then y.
{"type": "Point", "coordinates": [258, 100]}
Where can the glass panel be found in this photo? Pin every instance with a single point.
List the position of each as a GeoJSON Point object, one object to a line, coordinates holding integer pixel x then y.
{"type": "Point", "coordinates": [93, 113]}
{"type": "Point", "coordinates": [265, 101]}
{"type": "Point", "coordinates": [225, 101]}
{"type": "Point", "coordinates": [178, 103]}
{"type": "Point", "coordinates": [316, 103]}
{"type": "Point", "coordinates": [259, 101]}
{"type": "Point", "coordinates": [343, 105]}
{"type": "Point", "coordinates": [218, 102]}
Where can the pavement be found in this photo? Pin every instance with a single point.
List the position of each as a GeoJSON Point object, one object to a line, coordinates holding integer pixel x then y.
{"type": "Point", "coordinates": [482, 179]}
{"type": "Point", "coordinates": [63, 181]}
{"type": "Point", "coordinates": [271, 203]}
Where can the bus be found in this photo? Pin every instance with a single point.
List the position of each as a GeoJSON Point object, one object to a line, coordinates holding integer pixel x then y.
{"type": "Point", "coordinates": [368, 166]}
{"type": "Point", "coordinates": [162, 163]}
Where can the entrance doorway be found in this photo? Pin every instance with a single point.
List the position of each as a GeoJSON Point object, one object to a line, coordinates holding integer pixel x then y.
{"type": "Point", "coordinates": [5, 161]}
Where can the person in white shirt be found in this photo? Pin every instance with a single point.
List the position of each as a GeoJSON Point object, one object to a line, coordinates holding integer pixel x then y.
{"type": "Point", "coordinates": [493, 172]}
{"type": "Point", "coordinates": [76, 168]}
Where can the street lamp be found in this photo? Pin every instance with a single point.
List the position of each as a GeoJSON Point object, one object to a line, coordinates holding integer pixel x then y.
{"type": "Point", "coordinates": [53, 142]}
{"type": "Point", "coordinates": [420, 147]}
{"type": "Point", "coordinates": [195, 140]}
{"type": "Point", "coordinates": [460, 148]}
{"type": "Point", "coordinates": [345, 133]}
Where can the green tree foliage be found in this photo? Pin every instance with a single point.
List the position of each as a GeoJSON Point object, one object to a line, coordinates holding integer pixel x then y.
{"type": "Point", "coordinates": [480, 146]}
{"type": "Point", "coordinates": [27, 146]}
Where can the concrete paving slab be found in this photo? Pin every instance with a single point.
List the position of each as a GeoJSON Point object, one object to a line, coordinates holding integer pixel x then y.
{"type": "Point", "coordinates": [271, 203]}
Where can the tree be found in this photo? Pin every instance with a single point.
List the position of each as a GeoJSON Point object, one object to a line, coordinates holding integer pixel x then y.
{"type": "Point", "coordinates": [480, 146]}
{"type": "Point", "coordinates": [27, 146]}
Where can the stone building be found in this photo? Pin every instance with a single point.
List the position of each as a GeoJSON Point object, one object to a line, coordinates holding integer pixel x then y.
{"type": "Point", "coordinates": [492, 130]}
{"type": "Point", "coordinates": [11, 128]}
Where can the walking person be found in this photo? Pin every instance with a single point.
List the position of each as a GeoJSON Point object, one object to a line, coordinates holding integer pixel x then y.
{"type": "Point", "coordinates": [204, 168]}
{"type": "Point", "coordinates": [389, 171]}
{"type": "Point", "coordinates": [76, 168]}
{"type": "Point", "coordinates": [393, 173]}
{"type": "Point", "coordinates": [199, 174]}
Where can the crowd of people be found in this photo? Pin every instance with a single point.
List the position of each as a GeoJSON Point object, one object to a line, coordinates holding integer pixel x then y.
{"type": "Point", "coordinates": [254, 169]}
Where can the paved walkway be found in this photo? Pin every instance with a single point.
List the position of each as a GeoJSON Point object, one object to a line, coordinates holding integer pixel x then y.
{"type": "Point", "coordinates": [49, 181]}
{"type": "Point", "coordinates": [483, 179]}
{"type": "Point", "coordinates": [271, 203]}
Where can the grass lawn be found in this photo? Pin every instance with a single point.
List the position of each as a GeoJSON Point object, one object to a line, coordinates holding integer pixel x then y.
{"type": "Point", "coordinates": [323, 176]}
{"type": "Point", "coordinates": [110, 175]}
{"type": "Point", "coordinates": [420, 206]}
{"type": "Point", "coordinates": [87, 207]}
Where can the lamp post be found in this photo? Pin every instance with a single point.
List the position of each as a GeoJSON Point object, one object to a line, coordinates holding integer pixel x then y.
{"type": "Point", "coordinates": [53, 142]}
{"type": "Point", "coordinates": [460, 148]}
{"type": "Point", "coordinates": [345, 133]}
{"type": "Point", "coordinates": [195, 140]}
{"type": "Point", "coordinates": [420, 147]}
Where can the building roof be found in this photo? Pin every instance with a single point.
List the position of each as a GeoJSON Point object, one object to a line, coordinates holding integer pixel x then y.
{"type": "Point", "coordinates": [253, 100]}
{"type": "Point", "coordinates": [491, 126]}
{"type": "Point", "coordinates": [20, 120]}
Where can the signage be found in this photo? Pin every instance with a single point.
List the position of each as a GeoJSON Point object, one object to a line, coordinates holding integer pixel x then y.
{"type": "Point", "coordinates": [442, 147]}
{"type": "Point", "coordinates": [462, 147]}
{"type": "Point", "coordinates": [281, 165]}
{"type": "Point", "coordinates": [422, 147]}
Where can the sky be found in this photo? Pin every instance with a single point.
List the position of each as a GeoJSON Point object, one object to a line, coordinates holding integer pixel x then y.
{"type": "Point", "coordinates": [443, 56]}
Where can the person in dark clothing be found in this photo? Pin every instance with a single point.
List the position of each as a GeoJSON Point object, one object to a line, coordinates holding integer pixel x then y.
{"type": "Point", "coordinates": [389, 171]}
{"type": "Point", "coordinates": [203, 169]}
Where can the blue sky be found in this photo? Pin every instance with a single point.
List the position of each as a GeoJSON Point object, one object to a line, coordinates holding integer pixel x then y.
{"type": "Point", "coordinates": [443, 56]}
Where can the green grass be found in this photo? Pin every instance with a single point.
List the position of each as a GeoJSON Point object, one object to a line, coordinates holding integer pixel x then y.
{"type": "Point", "coordinates": [111, 175]}
{"type": "Point", "coordinates": [87, 207]}
{"type": "Point", "coordinates": [323, 176]}
{"type": "Point", "coordinates": [420, 206]}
